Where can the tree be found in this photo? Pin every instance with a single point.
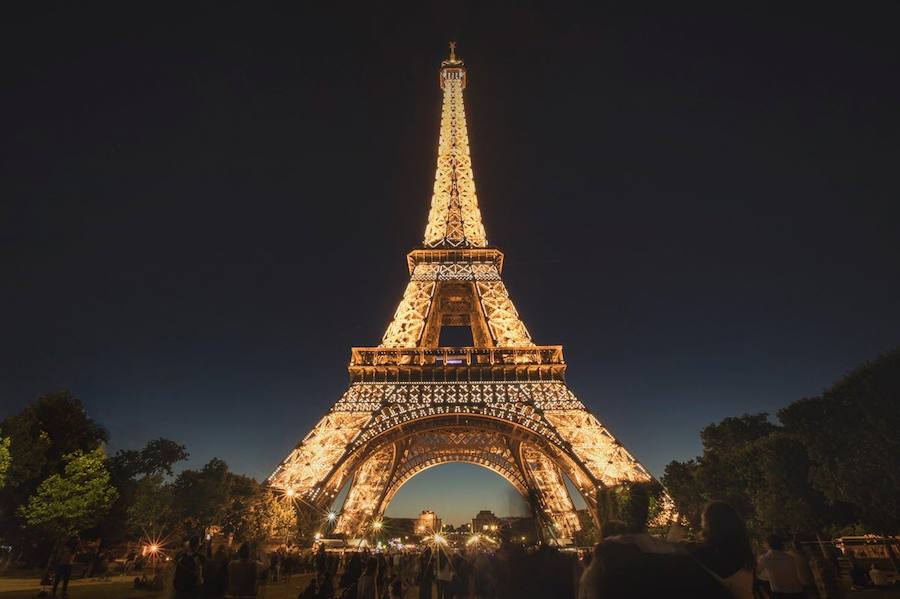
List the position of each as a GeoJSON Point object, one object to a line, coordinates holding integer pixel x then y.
{"type": "Point", "coordinates": [266, 515]}
{"type": "Point", "coordinates": [52, 427]}
{"type": "Point", "coordinates": [631, 502]}
{"type": "Point", "coordinates": [680, 481]}
{"type": "Point", "coordinates": [851, 436]}
{"type": "Point", "coordinates": [157, 457]}
{"type": "Point", "coordinates": [139, 476]}
{"type": "Point", "coordinates": [783, 499]}
{"type": "Point", "coordinates": [40, 436]}
{"type": "Point", "coordinates": [151, 508]}
{"type": "Point", "coordinates": [4, 460]}
{"type": "Point", "coordinates": [212, 496]}
{"type": "Point", "coordinates": [67, 503]}
{"type": "Point", "coordinates": [728, 469]}
{"type": "Point", "coordinates": [635, 501]}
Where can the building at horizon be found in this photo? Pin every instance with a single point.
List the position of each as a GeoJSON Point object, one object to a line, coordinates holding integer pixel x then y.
{"type": "Point", "coordinates": [427, 523]}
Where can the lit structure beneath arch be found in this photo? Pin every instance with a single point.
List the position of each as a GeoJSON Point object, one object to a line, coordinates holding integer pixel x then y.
{"type": "Point", "coordinates": [501, 403]}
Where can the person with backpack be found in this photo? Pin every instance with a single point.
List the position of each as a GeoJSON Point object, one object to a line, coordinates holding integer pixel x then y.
{"type": "Point", "coordinates": [188, 581]}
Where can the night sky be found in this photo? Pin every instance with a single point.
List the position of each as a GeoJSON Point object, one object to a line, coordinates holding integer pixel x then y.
{"type": "Point", "coordinates": [203, 209]}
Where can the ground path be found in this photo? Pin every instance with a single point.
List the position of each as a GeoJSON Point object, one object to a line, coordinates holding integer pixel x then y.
{"type": "Point", "coordinates": [122, 587]}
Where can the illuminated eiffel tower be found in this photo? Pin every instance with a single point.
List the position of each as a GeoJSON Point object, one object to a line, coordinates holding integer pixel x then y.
{"type": "Point", "coordinates": [499, 400]}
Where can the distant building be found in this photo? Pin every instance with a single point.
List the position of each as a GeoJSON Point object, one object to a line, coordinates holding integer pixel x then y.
{"type": "Point", "coordinates": [400, 526]}
{"type": "Point", "coordinates": [485, 522]}
{"type": "Point", "coordinates": [428, 522]}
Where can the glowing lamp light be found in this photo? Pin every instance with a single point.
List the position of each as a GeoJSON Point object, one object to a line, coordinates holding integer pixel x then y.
{"type": "Point", "coordinates": [154, 548]}
{"type": "Point", "coordinates": [439, 539]}
{"type": "Point", "coordinates": [331, 516]}
{"type": "Point", "coordinates": [376, 525]}
{"type": "Point", "coordinates": [318, 536]}
{"type": "Point", "coordinates": [290, 493]}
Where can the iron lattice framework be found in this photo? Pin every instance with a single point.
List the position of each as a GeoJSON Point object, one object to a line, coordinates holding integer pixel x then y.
{"type": "Point", "coordinates": [501, 403]}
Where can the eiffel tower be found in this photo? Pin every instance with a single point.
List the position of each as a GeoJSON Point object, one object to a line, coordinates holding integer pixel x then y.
{"type": "Point", "coordinates": [500, 401]}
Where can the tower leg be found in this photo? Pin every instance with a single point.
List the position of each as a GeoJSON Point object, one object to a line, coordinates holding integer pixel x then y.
{"type": "Point", "coordinates": [366, 491]}
{"type": "Point", "coordinates": [550, 495]}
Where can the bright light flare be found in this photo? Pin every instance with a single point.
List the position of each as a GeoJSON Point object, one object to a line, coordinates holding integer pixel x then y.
{"type": "Point", "coordinates": [154, 546]}
{"type": "Point", "coordinates": [289, 492]}
{"type": "Point", "coordinates": [479, 538]}
{"type": "Point", "coordinates": [377, 525]}
{"type": "Point", "coordinates": [332, 516]}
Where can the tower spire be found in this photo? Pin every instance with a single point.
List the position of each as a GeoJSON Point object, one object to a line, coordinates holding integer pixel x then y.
{"type": "Point", "coordinates": [454, 219]}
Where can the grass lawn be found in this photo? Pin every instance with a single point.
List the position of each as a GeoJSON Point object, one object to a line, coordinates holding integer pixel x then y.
{"type": "Point", "coordinates": [121, 587]}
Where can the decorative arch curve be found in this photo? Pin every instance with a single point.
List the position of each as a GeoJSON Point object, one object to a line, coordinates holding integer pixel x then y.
{"type": "Point", "coordinates": [534, 465]}
{"type": "Point", "coordinates": [488, 450]}
{"type": "Point", "coordinates": [389, 497]}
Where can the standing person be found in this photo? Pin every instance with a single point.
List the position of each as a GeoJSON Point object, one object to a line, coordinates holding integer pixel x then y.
{"type": "Point", "coordinates": [188, 581]}
{"type": "Point", "coordinates": [382, 576]}
{"type": "Point", "coordinates": [460, 584]}
{"type": "Point", "coordinates": [64, 557]}
{"type": "Point", "coordinates": [484, 585]}
{"type": "Point", "coordinates": [242, 575]}
{"type": "Point", "coordinates": [781, 570]}
{"type": "Point", "coordinates": [352, 572]}
{"type": "Point", "coordinates": [129, 562]}
{"type": "Point", "coordinates": [590, 585]}
{"type": "Point", "coordinates": [275, 566]}
{"type": "Point", "coordinates": [320, 561]}
{"type": "Point", "coordinates": [444, 575]}
{"type": "Point", "coordinates": [426, 575]}
{"type": "Point", "coordinates": [215, 581]}
{"type": "Point", "coordinates": [324, 586]}
{"type": "Point", "coordinates": [725, 551]}
{"type": "Point", "coordinates": [365, 587]}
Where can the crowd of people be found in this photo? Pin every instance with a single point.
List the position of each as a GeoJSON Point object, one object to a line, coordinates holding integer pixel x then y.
{"type": "Point", "coordinates": [446, 574]}
{"type": "Point", "coordinates": [625, 564]}
{"type": "Point", "coordinates": [719, 564]}
{"type": "Point", "coordinates": [219, 574]}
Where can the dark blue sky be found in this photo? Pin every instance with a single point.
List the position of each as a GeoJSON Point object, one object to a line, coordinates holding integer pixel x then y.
{"type": "Point", "coordinates": [203, 210]}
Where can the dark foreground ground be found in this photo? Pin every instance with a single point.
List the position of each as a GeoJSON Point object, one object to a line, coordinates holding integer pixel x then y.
{"type": "Point", "coordinates": [121, 587]}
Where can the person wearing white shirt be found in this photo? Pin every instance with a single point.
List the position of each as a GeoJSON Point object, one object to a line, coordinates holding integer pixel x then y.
{"type": "Point", "coordinates": [780, 569]}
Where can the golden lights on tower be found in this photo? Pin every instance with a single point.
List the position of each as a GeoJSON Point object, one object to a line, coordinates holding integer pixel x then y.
{"type": "Point", "coordinates": [501, 403]}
